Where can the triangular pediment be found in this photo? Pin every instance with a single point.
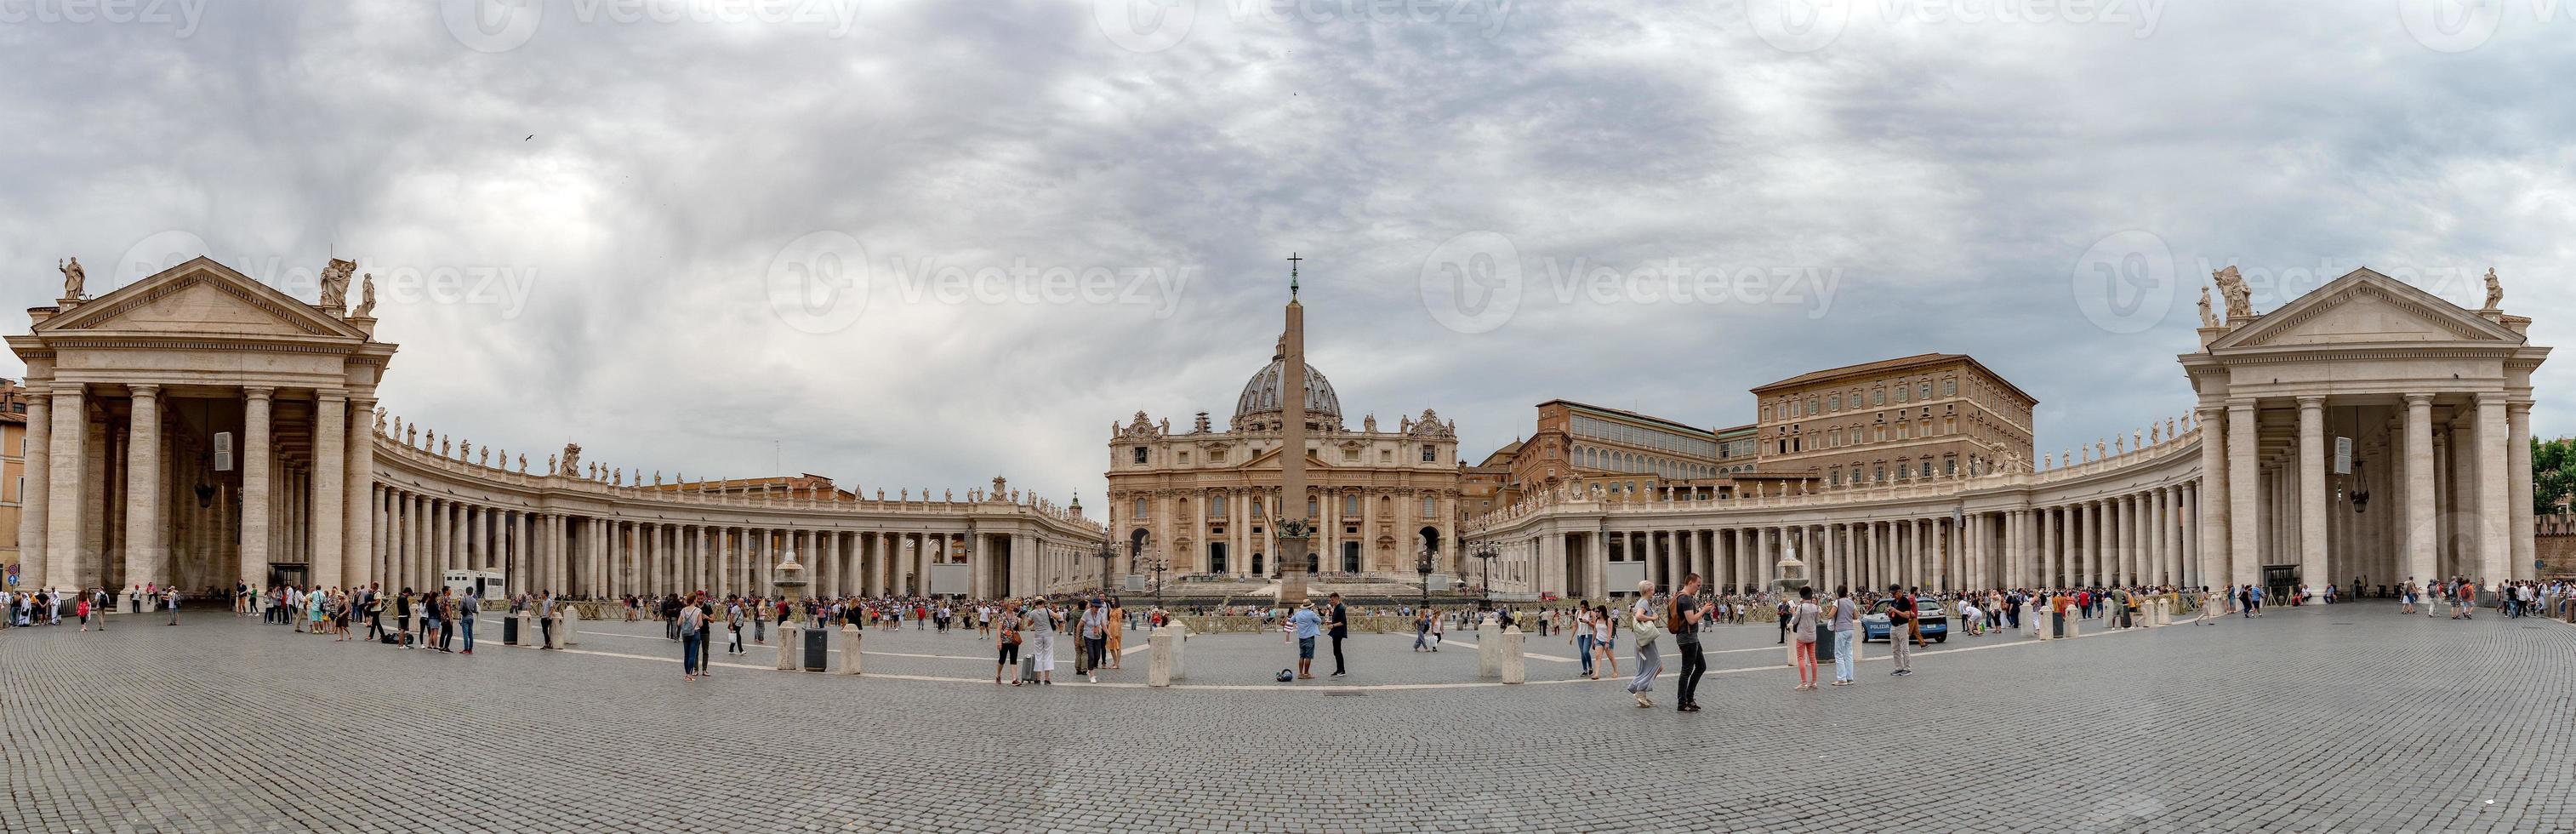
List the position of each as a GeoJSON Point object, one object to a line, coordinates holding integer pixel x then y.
{"type": "Point", "coordinates": [200, 297]}
{"type": "Point", "coordinates": [2365, 307]}
{"type": "Point", "coordinates": [1270, 460]}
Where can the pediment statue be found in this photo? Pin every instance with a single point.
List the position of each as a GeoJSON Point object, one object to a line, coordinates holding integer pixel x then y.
{"type": "Point", "coordinates": [73, 277]}
{"type": "Point", "coordinates": [2240, 299]}
{"type": "Point", "coordinates": [2495, 291]}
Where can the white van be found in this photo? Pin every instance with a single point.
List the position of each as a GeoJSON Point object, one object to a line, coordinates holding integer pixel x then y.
{"type": "Point", "coordinates": [483, 584]}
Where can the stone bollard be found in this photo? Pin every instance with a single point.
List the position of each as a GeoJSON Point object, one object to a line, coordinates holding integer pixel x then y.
{"type": "Point", "coordinates": [1489, 649]}
{"type": "Point", "coordinates": [2047, 622]}
{"type": "Point", "coordinates": [1180, 641]}
{"type": "Point", "coordinates": [1159, 650]}
{"type": "Point", "coordinates": [2074, 625]}
{"type": "Point", "coordinates": [788, 647]}
{"type": "Point", "coordinates": [1515, 661]}
{"type": "Point", "coordinates": [529, 634]}
{"type": "Point", "coordinates": [2034, 619]}
{"type": "Point", "coordinates": [851, 637]}
{"type": "Point", "coordinates": [569, 631]}
{"type": "Point", "coordinates": [555, 637]}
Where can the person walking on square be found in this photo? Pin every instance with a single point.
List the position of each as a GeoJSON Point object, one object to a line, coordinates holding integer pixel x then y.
{"type": "Point", "coordinates": [734, 617]}
{"type": "Point", "coordinates": [1900, 622]}
{"type": "Point", "coordinates": [1645, 628]}
{"type": "Point", "coordinates": [690, 622]}
{"type": "Point", "coordinates": [1605, 640]}
{"type": "Point", "coordinates": [104, 603]}
{"type": "Point", "coordinates": [1845, 617]}
{"type": "Point", "coordinates": [1687, 613]}
{"type": "Point", "coordinates": [170, 597]}
{"type": "Point", "coordinates": [1339, 628]}
{"type": "Point", "coordinates": [1304, 626]}
{"type": "Point", "coordinates": [1095, 638]}
{"type": "Point", "coordinates": [1006, 643]}
{"type": "Point", "coordinates": [81, 609]}
{"type": "Point", "coordinates": [1783, 611]}
{"type": "Point", "coordinates": [1581, 636]}
{"type": "Point", "coordinates": [1039, 627]}
{"type": "Point", "coordinates": [1803, 653]}
{"type": "Point", "coordinates": [466, 609]}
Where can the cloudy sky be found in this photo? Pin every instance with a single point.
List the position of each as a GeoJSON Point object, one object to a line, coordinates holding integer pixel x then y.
{"type": "Point", "coordinates": [913, 244]}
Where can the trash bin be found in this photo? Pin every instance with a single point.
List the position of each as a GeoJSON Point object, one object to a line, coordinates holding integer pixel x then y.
{"type": "Point", "coordinates": [1824, 644]}
{"type": "Point", "coordinates": [818, 649]}
{"type": "Point", "coordinates": [510, 630]}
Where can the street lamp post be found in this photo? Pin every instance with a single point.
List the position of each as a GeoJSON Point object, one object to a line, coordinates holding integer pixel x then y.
{"type": "Point", "coordinates": [1106, 553]}
{"type": "Point", "coordinates": [1157, 565]}
{"type": "Point", "coordinates": [1484, 552]}
{"type": "Point", "coordinates": [1423, 566]}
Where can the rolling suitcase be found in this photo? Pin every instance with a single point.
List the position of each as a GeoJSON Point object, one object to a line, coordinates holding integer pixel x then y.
{"type": "Point", "coordinates": [1028, 667]}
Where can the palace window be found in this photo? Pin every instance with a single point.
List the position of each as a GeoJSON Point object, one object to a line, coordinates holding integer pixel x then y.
{"type": "Point", "coordinates": [1386, 456]}
{"type": "Point", "coordinates": [1140, 454]}
{"type": "Point", "coordinates": [1351, 504]}
{"type": "Point", "coordinates": [1430, 507]}
{"type": "Point", "coordinates": [1766, 414]}
{"type": "Point", "coordinates": [1185, 458]}
{"type": "Point", "coordinates": [1949, 466]}
{"type": "Point", "coordinates": [1878, 396]}
{"type": "Point", "coordinates": [1351, 455]}
{"type": "Point", "coordinates": [1834, 403]}
{"type": "Point", "coordinates": [1311, 511]}
{"type": "Point", "coordinates": [1900, 393]}
{"type": "Point", "coordinates": [1216, 505]}
{"type": "Point", "coordinates": [1430, 453]}
{"type": "Point", "coordinates": [1925, 390]}
{"type": "Point", "coordinates": [1140, 509]}
{"type": "Point", "coordinates": [1949, 387]}
{"type": "Point", "coordinates": [1256, 508]}
{"type": "Point", "coordinates": [1881, 473]}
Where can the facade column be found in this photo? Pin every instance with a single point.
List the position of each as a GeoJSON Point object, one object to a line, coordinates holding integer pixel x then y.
{"type": "Point", "coordinates": [2240, 489]}
{"type": "Point", "coordinates": [2312, 492]}
{"type": "Point", "coordinates": [36, 494]}
{"type": "Point", "coordinates": [255, 489]}
{"type": "Point", "coordinates": [2524, 550]}
{"type": "Point", "coordinates": [147, 558]}
{"type": "Point", "coordinates": [325, 493]}
{"type": "Point", "coordinates": [2495, 552]}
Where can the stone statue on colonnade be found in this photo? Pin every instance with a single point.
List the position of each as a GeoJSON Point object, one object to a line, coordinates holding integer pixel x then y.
{"type": "Point", "coordinates": [2240, 299]}
{"type": "Point", "coordinates": [73, 277]}
{"type": "Point", "coordinates": [2495, 292]}
{"type": "Point", "coordinates": [335, 283]}
{"type": "Point", "coordinates": [366, 297]}
{"type": "Point", "coordinates": [2207, 318]}
{"type": "Point", "coordinates": [571, 459]}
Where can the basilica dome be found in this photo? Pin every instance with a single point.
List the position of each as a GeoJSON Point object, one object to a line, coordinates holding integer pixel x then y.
{"type": "Point", "coordinates": [1260, 403]}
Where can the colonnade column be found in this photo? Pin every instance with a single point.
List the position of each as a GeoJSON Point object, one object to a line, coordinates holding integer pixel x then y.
{"type": "Point", "coordinates": [254, 491]}
{"type": "Point", "coordinates": [146, 558]}
{"type": "Point", "coordinates": [2494, 549]}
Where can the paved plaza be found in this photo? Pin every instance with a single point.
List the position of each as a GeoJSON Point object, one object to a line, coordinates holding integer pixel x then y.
{"type": "Point", "coordinates": [2348, 718]}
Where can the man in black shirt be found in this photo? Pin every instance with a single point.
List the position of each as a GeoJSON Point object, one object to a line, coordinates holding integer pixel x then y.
{"type": "Point", "coordinates": [1338, 625]}
{"type": "Point", "coordinates": [1688, 611]}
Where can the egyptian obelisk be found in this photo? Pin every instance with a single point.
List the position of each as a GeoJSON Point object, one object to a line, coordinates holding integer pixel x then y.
{"type": "Point", "coordinates": [1295, 530]}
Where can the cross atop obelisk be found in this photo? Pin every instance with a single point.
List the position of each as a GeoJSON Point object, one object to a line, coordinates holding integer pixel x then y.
{"type": "Point", "coordinates": [1295, 530]}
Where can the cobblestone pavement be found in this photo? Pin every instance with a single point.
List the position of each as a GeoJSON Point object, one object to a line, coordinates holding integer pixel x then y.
{"type": "Point", "coordinates": [2348, 718]}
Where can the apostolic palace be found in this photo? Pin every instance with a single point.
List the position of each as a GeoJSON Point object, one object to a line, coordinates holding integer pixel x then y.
{"type": "Point", "coordinates": [200, 428]}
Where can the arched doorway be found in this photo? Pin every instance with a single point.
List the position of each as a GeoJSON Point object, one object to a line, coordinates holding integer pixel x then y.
{"type": "Point", "coordinates": [1350, 557]}
{"type": "Point", "coordinates": [1431, 543]}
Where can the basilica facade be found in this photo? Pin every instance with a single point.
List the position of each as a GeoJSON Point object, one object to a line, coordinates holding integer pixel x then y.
{"type": "Point", "coordinates": [1199, 503]}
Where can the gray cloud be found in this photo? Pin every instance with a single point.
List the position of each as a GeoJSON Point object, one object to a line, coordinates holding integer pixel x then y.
{"type": "Point", "coordinates": [645, 178]}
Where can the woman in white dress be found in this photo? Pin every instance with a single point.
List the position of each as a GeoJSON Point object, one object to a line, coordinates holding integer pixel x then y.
{"type": "Point", "coordinates": [1040, 634]}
